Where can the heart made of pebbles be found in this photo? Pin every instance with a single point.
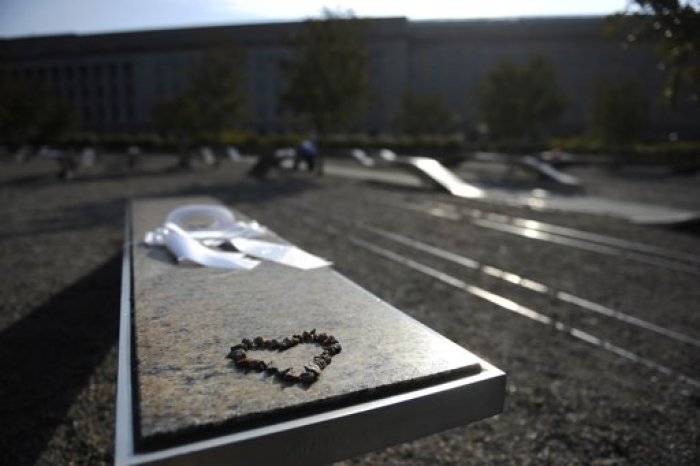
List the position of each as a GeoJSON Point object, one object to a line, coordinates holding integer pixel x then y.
{"type": "Point", "coordinates": [306, 375]}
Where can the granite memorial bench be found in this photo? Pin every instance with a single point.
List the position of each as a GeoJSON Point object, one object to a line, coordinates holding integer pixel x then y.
{"type": "Point", "coordinates": [212, 362]}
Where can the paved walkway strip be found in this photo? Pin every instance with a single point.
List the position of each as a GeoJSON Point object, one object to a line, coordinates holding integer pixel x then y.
{"type": "Point", "coordinates": [518, 280]}
{"type": "Point", "coordinates": [688, 264]}
{"type": "Point", "coordinates": [509, 305]}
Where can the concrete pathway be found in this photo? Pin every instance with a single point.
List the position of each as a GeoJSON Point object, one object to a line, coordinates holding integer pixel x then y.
{"type": "Point", "coordinates": [536, 198]}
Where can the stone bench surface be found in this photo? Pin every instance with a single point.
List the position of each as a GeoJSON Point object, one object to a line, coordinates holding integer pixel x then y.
{"type": "Point", "coordinates": [186, 318]}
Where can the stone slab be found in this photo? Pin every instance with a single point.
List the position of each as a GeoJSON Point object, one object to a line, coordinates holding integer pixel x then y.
{"type": "Point", "coordinates": [186, 317]}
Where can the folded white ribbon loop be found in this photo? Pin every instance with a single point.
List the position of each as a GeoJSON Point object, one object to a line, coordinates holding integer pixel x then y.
{"type": "Point", "coordinates": [208, 222]}
{"type": "Point", "coordinates": [192, 231]}
{"type": "Point", "coordinates": [186, 248]}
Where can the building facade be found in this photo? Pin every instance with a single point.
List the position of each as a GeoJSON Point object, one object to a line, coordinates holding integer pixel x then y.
{"type": "Point", "coordinates": [115, 79]}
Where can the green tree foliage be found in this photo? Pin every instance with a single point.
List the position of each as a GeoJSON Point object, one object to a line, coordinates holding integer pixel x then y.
{"type": "Point", "coordinates": [31, 113]}
{"type": "Point", "coordinates": [674, 26]}
{"type": "Point", "coordinates": [519, 101]}
{"type": "Point", "coordinates": [327, 78]}
{"type": "Point", "coordinates": [619, 112]}
{"type": "Point", "coordinates": [212, 102]}
{"type": "Point", "coordinates": [420, 114]}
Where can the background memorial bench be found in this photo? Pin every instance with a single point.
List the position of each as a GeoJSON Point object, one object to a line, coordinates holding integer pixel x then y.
{"type": "Point", "coordinates": [181, 401]}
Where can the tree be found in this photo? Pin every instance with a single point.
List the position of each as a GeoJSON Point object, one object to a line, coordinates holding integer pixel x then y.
{"type": "Point", "coordinates": [519, 101]}
{"type": "Point", "coordinates": [31, 113]}
{"type": "Point", "coordinates": [213, 100]}
{"type": "Point", "coordinates": [674, 26]}
{"type": "Point", "coordinates": [327, 78]}
{"type": "Point", "coordinates": [619, 112]}
{"type": "Point", "coordinates": [423, 114]}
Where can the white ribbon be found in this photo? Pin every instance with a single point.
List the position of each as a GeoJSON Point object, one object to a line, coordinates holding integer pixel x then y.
{"type": "Point", "coordinates": [191, 232]}
{"type": "Point", "coordinates": [280, 253]}
{"type": "Point", "coordinates": [186, 248]}
{"type": "Point", "coordinates": [209, 222]}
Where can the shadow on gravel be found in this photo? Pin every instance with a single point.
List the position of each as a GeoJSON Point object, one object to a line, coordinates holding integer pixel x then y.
{"type": "Point", "coordinates": [250, 191]}
{"type": "Point", "coordinates": [88, 176]}
{"type": "Point", "coordinates": [388, 186]}
{"type": "Point", "coordinates": [691, 228]}
{"type": "Point", "coordinates": [111, 213]}
{"type": "Point", "coordinates": [73, 218]}
{"type": "Point", "coordinates": [29, 181]}
{"type": "Point", "coordinates": [48, 356]}
{"type": "Point", "coordinates": [116, 175]}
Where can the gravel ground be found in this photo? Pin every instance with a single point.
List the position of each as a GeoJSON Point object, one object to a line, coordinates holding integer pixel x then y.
{"type": "Point", "coordinates": [568, 402]}
{"type": "Point", "coordinates": [642, 185]}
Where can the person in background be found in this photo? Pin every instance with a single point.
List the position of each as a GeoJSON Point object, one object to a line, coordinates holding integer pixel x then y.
{"type": "Point", "coordinates": [133, 154]}
{"type": "Point", "coordinates": [307, 152]}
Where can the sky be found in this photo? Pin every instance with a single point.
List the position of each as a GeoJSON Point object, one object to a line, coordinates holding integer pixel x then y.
{"type": "Point", "coordinates": [41, 17]}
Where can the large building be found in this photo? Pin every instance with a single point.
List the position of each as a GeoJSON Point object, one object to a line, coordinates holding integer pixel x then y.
{"type": "Point", "coordinates": [114, 79]}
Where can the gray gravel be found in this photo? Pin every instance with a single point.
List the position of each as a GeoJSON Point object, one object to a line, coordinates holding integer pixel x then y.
{"type": "Point", "coordinates": [568, 401]}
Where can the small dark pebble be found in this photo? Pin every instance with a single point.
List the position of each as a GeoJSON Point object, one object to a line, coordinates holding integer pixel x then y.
{"type": "Point", "coordinates": [237, 354]}
{"type": "Point", "coordinates": [334, 349]}
{"type": "Point", "coordinates": [259, 341]}
{"type": "Point", "coordinates": [243, 363]}
{"type": "Point", "coordinates": [292, 375]}
{"type": "Point", "coordinates": [247, 344]}
{"type": "Point", "coordinates": [320, 362]}
{"type": "Point", "coordinates": [313, 368]}
{"type": "Point", "coordinates": [308, 377]}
